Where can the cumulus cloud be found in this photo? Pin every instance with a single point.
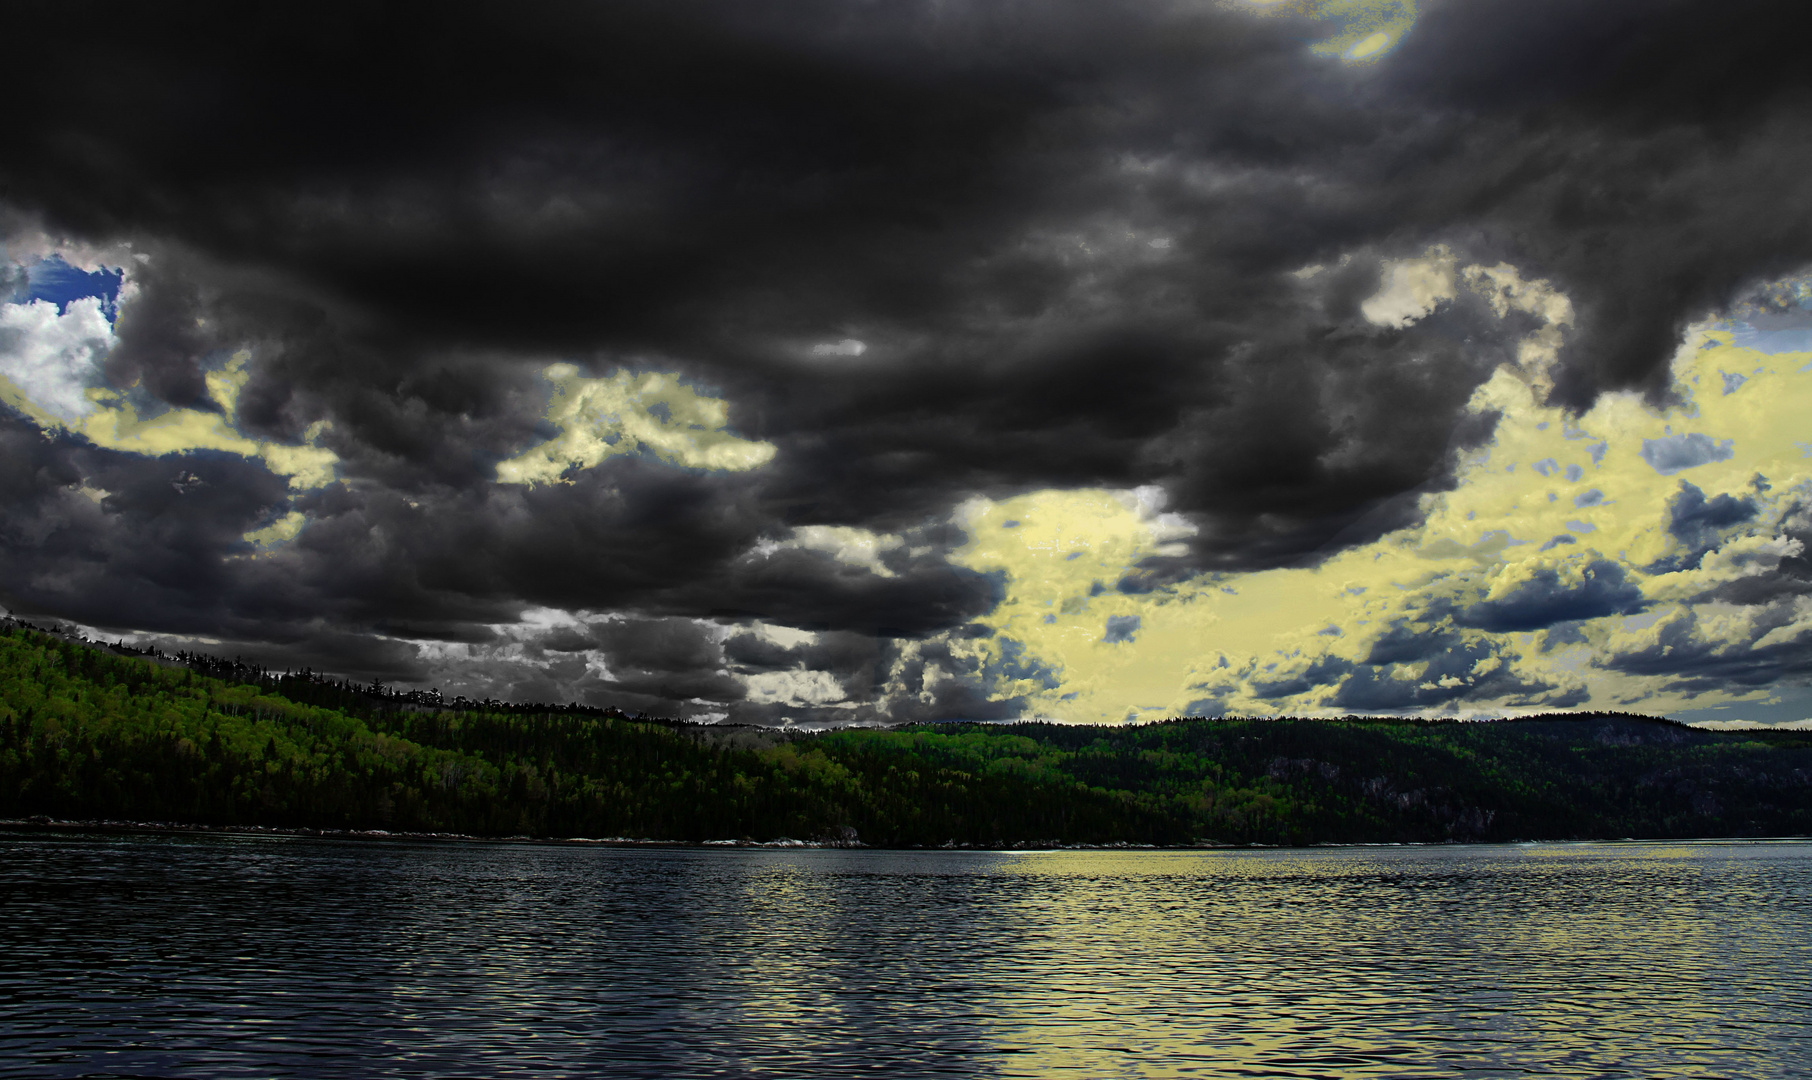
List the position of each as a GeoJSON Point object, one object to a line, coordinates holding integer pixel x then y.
{"type": "Point", "coordinates": [51, 358]}
{"type": "Point", "coordinates": [1413, 288]}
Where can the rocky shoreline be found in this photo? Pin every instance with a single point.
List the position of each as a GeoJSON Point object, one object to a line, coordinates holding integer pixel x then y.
{"type": "Point", "coordinates": [45, 823]}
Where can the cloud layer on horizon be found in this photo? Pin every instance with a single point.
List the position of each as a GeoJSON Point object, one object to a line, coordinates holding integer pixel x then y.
{"type": "Point", "coordinates": [695, 363]}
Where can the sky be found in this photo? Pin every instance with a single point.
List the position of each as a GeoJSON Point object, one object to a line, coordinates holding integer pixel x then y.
{"type": "Point", "coordinates": [845, 362]}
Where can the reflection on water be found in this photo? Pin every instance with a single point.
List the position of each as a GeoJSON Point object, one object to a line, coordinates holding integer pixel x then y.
{"type": "Point", "coordinates": [220, 957]}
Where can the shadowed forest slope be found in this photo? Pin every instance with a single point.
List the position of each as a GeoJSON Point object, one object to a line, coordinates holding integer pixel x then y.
{"type": "Point", "coordinates": [87, 733]}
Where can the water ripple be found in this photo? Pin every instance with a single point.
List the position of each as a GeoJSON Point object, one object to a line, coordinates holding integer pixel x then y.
{"type": "Point", "coordinates": [269, 956]}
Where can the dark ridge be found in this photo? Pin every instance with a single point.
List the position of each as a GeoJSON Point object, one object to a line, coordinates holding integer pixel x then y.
{"type": "Point", "coordinates": [94, 732]}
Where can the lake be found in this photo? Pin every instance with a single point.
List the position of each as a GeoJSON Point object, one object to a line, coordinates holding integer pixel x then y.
{"type": "Point", "coordinates": [257, 956]}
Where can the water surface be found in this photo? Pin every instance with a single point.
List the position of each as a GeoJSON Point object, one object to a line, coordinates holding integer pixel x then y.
{"type": "Point", "coordinates": [219, 956]}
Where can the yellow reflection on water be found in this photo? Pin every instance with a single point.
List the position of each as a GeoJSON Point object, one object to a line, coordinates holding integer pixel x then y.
{"type": "Point", "coordinates": [1555, 959]}
{"type": "Point", "coordinates": [1151, 976]}
{"type": "Point", "coordinates": [1350, 962]}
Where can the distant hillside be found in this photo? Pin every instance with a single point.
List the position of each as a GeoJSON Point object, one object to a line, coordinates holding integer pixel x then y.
{"type": "Point", "coordinates": [89, 734]}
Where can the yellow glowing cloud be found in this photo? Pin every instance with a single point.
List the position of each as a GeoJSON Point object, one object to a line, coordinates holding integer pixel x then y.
{"type": "Point", "coordinates": [1063, 553]}
{"type": "Point", "coordinates": [12, 394]}
{"type": "Point", "coordinates": [1370, 27]}
{"type": "Point", "coordinates": [107, 419]}
{"type": "Point", "coordinates": [1550, 503]}
{"type": "Point", "coordinates": [1366, 29]}
{"type": "Point", "coordinates": [115, 424]}
{"type": "Point", "coordinates": [626, 412]}
{"type": "Point", "coordinates": [280, 531]}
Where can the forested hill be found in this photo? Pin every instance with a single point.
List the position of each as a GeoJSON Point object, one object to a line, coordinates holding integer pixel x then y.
{"type": "Point", "coordinates": [88, 734]}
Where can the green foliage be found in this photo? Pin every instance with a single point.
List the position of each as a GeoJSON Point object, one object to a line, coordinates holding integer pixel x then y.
{"type": "Point", "coordinates": [88, 734]}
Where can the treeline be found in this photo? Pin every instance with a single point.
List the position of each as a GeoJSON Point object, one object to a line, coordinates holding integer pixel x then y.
{"type": "Point", "coordinates": [90, 734]}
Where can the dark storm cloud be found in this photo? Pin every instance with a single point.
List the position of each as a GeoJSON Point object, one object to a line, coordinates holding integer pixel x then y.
{"type": "Point", "coordinates": [151, 546]}
{"type": "Point", "coordinates": [15, 282]}
{"type": "Point", "coordinates": [812, 590]}
{"type": "Point", "coordinates": [1792, 577]}
{"type": "Point", "coordinates": [1450, 672]}
{"type": "Point", "coordinates": [1700, 524]}
{"type": "Point", "coordinates": [164, 343]}
{"type": "Point", "coordinates": [1320, 672]}
{"type": "Point", "coordinates": [1546, 598]}
{"type": "Point", "coordinates": [670, 659]}
{"type": "Point", "coordinates": [1698, 521]}
{"type": "Point", "coordinates": [401, 414]}
{"type": "Point", "coordinates": [1697, 663]}
{"type": "Point", "coordinates": [1644, 158]}
{"type": "Point", "coordinates": [697, 669]}
{"type": "Point", "coordinates": [1768, 576]}
{"type": "Point", "coordinates": [1420, 663]}
{"type": "Point", "coordinates": [1064, 233]}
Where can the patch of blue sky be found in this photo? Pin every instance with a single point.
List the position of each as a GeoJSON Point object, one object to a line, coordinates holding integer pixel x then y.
{"type": "Point", "coordinates": [1678, 452]}
{"type": "Point", "coordinates": [55, 281]}
{"type": "Point", "coordinates": [1732, 381]}
{"type": "Point", "coordinates": [1546, 466]}
{"type": "Point", "coordinates": [1589, 498]}
{"type": "Point", "coordinates": [1795, 339]}
{"type": "Point", "coordinates": [1121, 628]}
{"type": "Point", "coordinates": [1582, 526]}
{"type": "Point", "coordinates": [1575, 474]}
{"type": "Point", "coordinates": [1786, 705]}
